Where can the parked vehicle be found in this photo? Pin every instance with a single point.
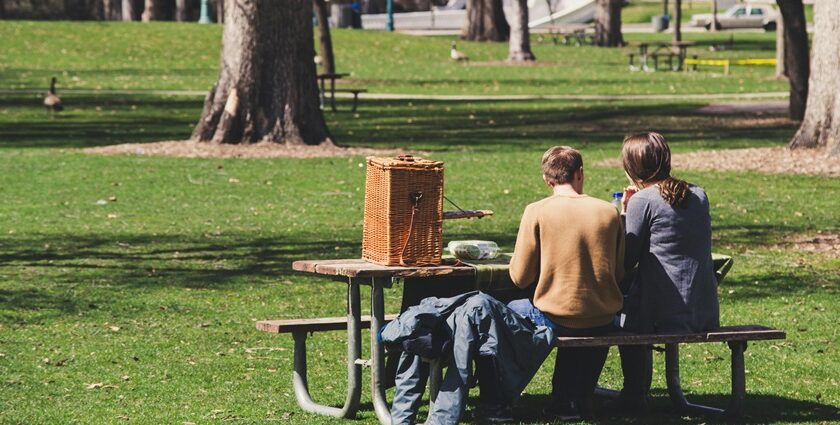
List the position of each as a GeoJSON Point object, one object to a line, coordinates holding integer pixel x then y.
{"type": "Point", "coordinates": [740, 16]}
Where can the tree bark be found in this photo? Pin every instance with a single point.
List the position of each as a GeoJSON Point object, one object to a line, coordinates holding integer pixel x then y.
{"type": "Point", "coordinates": [151, 12]}
{"type": "Point", "coordinates": [485, 21]}
{"type": "Point", "coordinates": [266, 89]}
{"type": "Point", "coordinates": [796, 56]}
{"type": "Point", "coordinates": [325, 39]}
{"type": "Point", "coordinates": [111, 10]}
{"type": "Point", "coordinates": [715, 24]}
{"type": "Point", "coordinates": [2, 9]}
{"type": "Point", "coordinates": [129, 11]}
{"type": "Point", "coordinates": [781, 69]}
{"type": "Point", "coordinates": [519, 48]}
{"type": "Point", "coordinates": [181, 10]}
{"type": "Point", "coordinates": [677, 19]}
{"type": "Point", "coordinates": [220, 11]}
{"type": "Point", "coordinates": [821, 124]}
{"type": "Point", "coordinates": [608, 24]}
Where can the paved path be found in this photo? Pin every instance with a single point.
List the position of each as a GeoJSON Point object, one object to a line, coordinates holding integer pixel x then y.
{"type": "Point", "coordinates": [444, 97]}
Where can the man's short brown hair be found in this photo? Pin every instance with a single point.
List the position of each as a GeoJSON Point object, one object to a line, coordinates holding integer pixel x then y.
{"type": "Point", "coordinates": [560, 163]}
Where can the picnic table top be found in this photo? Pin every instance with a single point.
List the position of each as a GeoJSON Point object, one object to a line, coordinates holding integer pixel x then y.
{"type": "Point", "coordinates": [359, 268]}
{"type": "Point", "coordinates": [664, 43]}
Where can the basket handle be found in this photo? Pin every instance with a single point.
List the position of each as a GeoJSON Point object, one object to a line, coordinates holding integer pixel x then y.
{"type": "Point", "coordinates": [407, 157]}
{"type": "Point", "coordinates": [415, 198]}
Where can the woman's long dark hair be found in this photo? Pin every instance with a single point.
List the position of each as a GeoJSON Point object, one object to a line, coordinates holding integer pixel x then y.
{"type": "Point", "coordinates": [647, 158]}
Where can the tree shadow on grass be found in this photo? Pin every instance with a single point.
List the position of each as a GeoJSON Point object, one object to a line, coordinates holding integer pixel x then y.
{"type": "Point", "coordinates": [96, 120]}
{"type": "Point", "coordinates": [758, 409]}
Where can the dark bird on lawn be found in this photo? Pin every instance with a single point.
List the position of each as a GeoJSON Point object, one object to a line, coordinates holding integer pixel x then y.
{"type": "Point", "coordinates": [51, 101]}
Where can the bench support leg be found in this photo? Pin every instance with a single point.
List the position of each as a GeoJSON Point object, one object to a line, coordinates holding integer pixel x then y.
{"type": "Point", "coordinates": [377, 355]}
{"type": "Point", "coordinates": [354, 371]}
{"type": "Point", "coordinates": [672, 378]}
{"type": "Point", "coordinates": [739, 382]}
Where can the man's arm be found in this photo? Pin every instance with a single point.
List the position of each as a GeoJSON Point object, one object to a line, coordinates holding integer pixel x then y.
{"type": "Point", "coordinates": [525, 264]}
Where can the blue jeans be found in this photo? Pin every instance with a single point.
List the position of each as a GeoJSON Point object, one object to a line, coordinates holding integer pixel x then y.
{"type": "Point", "coordinates": [576, 370]}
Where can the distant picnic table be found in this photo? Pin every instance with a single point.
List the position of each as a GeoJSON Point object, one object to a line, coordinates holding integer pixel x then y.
{"type": "Point", "coordinates": [656, 49]}
{"type": "Point", "coordinates": [568, 34]}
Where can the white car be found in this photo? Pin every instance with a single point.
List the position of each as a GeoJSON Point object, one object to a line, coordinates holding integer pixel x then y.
{"type": "Point", "coordinates": [740, 16]}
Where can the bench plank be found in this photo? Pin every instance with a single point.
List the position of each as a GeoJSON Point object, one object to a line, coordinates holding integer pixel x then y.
{"type": "Point", "coordinates": [723, 334]}
{"type": "Point", "coordinates": [313, 325]}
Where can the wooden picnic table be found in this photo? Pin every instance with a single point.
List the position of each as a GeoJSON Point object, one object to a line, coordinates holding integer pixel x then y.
{"type": "Point", "coordinates": [678, 48]}
{"type": "Point", "coordinates": [322, 84]}
{"type": "Point", "coordinates": [446, 280]}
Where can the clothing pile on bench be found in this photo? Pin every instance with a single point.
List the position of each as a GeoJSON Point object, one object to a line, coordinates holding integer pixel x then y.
{"type": "Point", "coordinates": [484, 329]}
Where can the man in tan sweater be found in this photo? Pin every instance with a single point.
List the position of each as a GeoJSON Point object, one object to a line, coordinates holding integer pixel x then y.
{"type": "Point", "coordinates": [572, 247]}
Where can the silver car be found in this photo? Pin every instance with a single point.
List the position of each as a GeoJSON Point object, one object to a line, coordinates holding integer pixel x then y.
{"type": "Point", "coordinates": [739, 16]}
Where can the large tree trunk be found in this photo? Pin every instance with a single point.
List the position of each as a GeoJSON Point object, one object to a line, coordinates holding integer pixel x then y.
{"type": "Point", "coordinates": [781, 69]}
{"type": "Point", "coordinates": [267, 89]}
{"type": "Point", "coordinates": [677, 21]}
{"type": "Point", "coordinates": [485, 21]}
{"type": "Point", "coordinates": [325, 39]}
{"type": "Point", "coordinates": [519, 49]}
{"type": "Point", "coordinates": [796, 55]}
{"type": "Point", "coordinates": [821, 125]}
{"type": "Point", "coordinates": [608, 24]}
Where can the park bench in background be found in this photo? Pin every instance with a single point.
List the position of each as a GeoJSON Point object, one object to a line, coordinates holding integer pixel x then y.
{"type": "Point", "coordinates": [329, 90]}
{"type": "Point", "coordinates": [381, 277]}
{"type": "Point", "coordinates": [725, 63]}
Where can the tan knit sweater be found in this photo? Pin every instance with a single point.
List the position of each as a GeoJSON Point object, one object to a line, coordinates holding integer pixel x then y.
{"type": "Point", "coordinates": [572, 247]}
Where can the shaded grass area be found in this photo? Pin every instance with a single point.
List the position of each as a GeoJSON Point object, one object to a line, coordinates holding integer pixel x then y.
{"type": "Point", "coordinates": [172, 56]}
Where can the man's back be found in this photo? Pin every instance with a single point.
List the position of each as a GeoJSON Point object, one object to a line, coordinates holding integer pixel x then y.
{"type": "Point", "coordinates": [572, 247]}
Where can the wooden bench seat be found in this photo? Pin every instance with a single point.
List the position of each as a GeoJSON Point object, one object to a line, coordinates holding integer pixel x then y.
{"type": "Point", "coordinates": [722, 334]}
{"type": "Point", "coordinates": [313, 325]}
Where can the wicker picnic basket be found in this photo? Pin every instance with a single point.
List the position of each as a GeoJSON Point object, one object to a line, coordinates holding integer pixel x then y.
{"type": "Point", "coordinates": [403, 222]}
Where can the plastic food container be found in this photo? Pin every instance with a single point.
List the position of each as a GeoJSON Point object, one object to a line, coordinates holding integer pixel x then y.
{"type": "Point", "coordinates": [474, 250]}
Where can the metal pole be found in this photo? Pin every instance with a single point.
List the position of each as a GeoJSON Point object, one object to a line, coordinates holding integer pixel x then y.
{"type": "Point", "coordinates": [205, 13]}
{"type": "Point", "coordinates": [389, 23]}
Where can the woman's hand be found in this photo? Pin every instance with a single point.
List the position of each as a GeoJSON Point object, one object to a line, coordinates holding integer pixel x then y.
{"type": "Point", "coordinates": [629, 191]}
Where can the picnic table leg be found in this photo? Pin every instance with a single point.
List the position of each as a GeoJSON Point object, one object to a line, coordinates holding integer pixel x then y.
{"type": "Point", "coordinates": [322, 94]}
{"type": "Point", "coordinates": [354, 370]}
{"type": "Point", "coordinates": [377, 353]}
{"type": "Point", "coordinates": [672, 378]}
{"type": "Point", "coordinates": [332, 93]}
{"type": "Point", "coordinates": [739, 384]}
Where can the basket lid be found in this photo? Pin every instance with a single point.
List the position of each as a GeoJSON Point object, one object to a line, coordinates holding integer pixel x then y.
{"type": "Point", "coordinates": [404, 161]}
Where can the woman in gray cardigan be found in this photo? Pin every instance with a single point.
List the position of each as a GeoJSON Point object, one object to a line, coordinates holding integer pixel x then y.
{"type": "Point", "coordinates": [669, 237]}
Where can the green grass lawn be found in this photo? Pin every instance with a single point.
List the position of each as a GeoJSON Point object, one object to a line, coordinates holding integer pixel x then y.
{"type": "Point", "coordinates": [141, 310]}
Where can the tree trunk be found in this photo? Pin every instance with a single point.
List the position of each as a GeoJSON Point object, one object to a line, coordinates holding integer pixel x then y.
{"type": "Point", "coordinates": [220, 11]}
{"type": "Point", "coordinates": [129, 11]}
{"type": "Point", "coordinates": [485, 21]}
{"type": "Point", "coordinates": [781, 69]}
{"type": "Point", "coordinates": [181, 10]}
{"type": "Point", "coordinates": [519, 49]}
{"type": "Point", "coordinates": [715, 24]}
{"type": "Point", "coordinates": [325, 39]}
{"type": "Point", "coordinates": [2, 9]}
{"type": "Point", "coordinates": [267, 89]}
{"type": "Point", "coordinates": [796, 55]}
{"type": "Point", "coordinates": [151, 11]}
{"type": "Point", "coordinates": [111, 10]}
{"type": "Point", "coordinates": [677, 19]}
{"type": "Point", "coordinates": [608, 24]}
{"type": "Point", "coordinates": [821, 124]}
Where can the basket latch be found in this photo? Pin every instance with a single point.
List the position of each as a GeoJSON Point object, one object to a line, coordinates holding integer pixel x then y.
{"type": "Point", "coordinates": [415, 198]}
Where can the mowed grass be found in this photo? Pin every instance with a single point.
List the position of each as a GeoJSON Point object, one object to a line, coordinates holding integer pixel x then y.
{"type": "Point", "coordinates": [141, 310]}
{"type": "Point", "coordinates": [172, 56]}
